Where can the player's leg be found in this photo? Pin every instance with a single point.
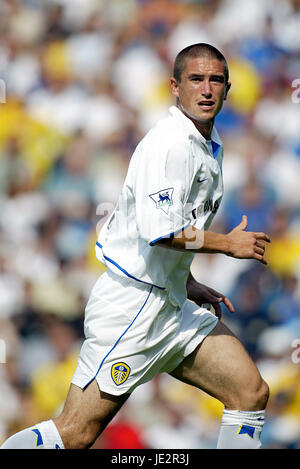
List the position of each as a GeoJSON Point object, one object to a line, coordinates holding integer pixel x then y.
{"type": "Point", "coordinates": [85, 415]}
{"type": "Point", "coordinates": [221, 367]}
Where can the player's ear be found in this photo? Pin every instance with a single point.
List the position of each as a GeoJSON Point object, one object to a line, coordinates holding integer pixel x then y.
{"type": "Point", "coordinates": [174, 86]}
{"type": "Point", "coordinates": [227, 88]}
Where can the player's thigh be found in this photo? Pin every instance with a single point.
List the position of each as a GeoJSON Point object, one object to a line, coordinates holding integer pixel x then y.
{"type": "Point", "coordinates": [221, 367]}
{"type": "Point", "coordinates": [87, 411]}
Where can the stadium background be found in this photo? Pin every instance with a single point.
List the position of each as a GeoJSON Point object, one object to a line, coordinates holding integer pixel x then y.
{"type": "Point", "coordinates": [85, 79]}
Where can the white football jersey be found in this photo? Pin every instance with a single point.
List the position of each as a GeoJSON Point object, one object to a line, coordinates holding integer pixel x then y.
{"type": "Point", "coordinates": [174, 180]}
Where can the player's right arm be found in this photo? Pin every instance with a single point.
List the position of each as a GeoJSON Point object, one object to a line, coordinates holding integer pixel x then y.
{"type": "Point", "coordinates": [238, 243]}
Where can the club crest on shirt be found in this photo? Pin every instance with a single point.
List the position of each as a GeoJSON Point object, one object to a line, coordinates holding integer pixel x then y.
{"type": "Point", "coordinates": [120, 372]}
{"type": "Point", "coordinates": [163, 199]}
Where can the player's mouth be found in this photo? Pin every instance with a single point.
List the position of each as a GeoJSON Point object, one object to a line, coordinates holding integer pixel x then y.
{"type": "Point", "coordinates": [206, 105]}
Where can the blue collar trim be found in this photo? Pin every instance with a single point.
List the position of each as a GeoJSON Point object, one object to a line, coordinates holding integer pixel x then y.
{"type": "Point", "coordinates": [215, 148]}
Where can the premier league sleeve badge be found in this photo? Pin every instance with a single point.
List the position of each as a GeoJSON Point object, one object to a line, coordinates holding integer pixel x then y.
{"type": "Point", "coordinates": [163, 199]}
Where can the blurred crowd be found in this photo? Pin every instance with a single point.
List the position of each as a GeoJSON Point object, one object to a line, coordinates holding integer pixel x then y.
{"type": "Point", "coordinates": [82, 82]}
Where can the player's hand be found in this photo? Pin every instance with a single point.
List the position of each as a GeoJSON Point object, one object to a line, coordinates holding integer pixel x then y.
{"type": "Point", "coordinates": [201, 294]}
{"type": "Point", "coordinates": [247, 245]}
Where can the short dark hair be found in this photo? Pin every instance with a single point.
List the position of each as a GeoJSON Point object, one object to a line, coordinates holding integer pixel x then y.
{"type": "Point", "coordinates": [200, 49]}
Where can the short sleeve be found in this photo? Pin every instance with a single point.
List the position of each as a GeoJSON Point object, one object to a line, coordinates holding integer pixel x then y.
{"type": "Point", "coordinates": [162, 187]}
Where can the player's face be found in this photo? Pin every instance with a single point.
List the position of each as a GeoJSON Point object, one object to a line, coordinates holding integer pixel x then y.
{"type": "Point", "coordinates": [202, 89]}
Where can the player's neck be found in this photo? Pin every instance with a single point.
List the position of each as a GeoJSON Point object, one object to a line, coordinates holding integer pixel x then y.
{"type": "Point", "coordinates": [205, 128]}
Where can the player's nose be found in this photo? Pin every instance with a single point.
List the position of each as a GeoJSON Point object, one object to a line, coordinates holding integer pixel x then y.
{"type": "Point", "coordinates": [206, 90]}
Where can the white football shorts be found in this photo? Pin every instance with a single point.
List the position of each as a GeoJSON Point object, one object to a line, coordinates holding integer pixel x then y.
{"type": "Point", "coordinates": [133, 332]}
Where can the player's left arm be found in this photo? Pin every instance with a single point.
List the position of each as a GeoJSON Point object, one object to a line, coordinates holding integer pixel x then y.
{"type": "Point", "coordinates": [202, 294]}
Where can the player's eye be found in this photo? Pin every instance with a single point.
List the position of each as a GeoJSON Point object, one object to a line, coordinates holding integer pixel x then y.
{"type": "Point", "coordinates": [196, 78]}
{"type": "Point", "coordinates": [218, 79]}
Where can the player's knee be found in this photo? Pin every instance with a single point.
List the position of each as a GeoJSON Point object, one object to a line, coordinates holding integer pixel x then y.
{"type": "Point", "coordinates": [262, 396]}
{"type": "Point", "coordinates": [251, 397]}
{"type": "Point", "coordinates": [256, 396]}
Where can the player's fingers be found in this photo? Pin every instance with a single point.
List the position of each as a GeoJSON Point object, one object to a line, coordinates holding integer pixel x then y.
{"type": "Point", "coordinates": [263, 236]}
{"type": "Point", "coordinates": [212, 299]}
{"type": "Point", "coordinates": [217, 309]}
{"type": "Point", "coordinates": [242, 225]}
{"type": "Point", "coordinates": [222, 298]}
{"type": "Point", "coordinates": [228, 303]}
{"type": "Point", "coordinates": [260, 244]}
{"type": "Point", "coordinates": [260, 258]}
{"type": "Point", "coordinates": [259, 250]}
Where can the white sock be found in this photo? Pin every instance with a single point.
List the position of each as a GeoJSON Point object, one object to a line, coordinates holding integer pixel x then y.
{"type": "Point", "coordinates": [241, 429]}
{"type": "Point", "coordinates": [44, 435]}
